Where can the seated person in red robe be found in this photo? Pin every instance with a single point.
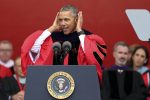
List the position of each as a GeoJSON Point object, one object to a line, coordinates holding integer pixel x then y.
{"type": "Point", "coordinates": [6, 62]}
{"type": "Point", "coordinates": [87, 48]}
{"type": "Point", "coordinates": [11, 86]}
{"type": "Point", "coordinates": [9, 89]}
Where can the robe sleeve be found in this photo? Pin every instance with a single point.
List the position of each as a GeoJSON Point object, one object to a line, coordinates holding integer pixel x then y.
{"type": "Point", "coordinates": [45, 51]}
{"type": "Point", "coordinates": [93, 50]}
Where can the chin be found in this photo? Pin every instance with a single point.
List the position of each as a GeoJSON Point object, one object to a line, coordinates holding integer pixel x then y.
{"type": "Point", "coordinates": [67, 33]}
{"type": "Point", "coordinates": [139, 65]}
{"type": "Point", "coordinates": [5, 60]}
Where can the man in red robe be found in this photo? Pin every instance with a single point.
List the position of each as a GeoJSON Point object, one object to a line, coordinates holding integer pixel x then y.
{"type": "Point", "coordinates": [6, 64]}
{"type": "Point", "coordinates": [8, 85]}
{"type": "Point", "coordinates": [87, 48]}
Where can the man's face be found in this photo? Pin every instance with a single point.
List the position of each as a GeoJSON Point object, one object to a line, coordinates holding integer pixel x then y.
{"type": "Point", "coordinates": [139, 58]}
{"type": "Point", "coordinates": [5, 52]}
{"type": "Point", "coordinates": [67, 22]}
{"type": "Point", "coordinates": [121, 55]}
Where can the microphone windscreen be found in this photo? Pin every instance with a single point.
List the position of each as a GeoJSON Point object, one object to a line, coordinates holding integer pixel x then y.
{"type": "Point", "coordinates": [56, 46]}
{"type": "Point", "coordinates": [67, 46]}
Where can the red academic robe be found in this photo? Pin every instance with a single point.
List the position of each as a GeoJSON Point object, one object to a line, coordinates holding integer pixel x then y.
{"type": "Point", "coordinates": [146, 78]}
{"type": "Point", "coordinates": [92, 43]}
{"type": "Point", "coordinates": [5, 72]}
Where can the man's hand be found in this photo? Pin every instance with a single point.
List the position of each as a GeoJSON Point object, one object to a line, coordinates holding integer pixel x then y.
{"type": "Point", "coordinates": [79, 22]}
{"type": "Point", "coordinates": [55, 25]}
{"type": "Point", "coordinates": [18, 96]}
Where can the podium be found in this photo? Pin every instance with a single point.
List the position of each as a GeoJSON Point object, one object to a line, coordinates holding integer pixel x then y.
{"type": "Point", "coordinates": [85, 78]}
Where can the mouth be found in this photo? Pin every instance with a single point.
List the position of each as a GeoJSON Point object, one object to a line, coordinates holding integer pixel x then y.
{"type": "Point", "coordinates": [122, 60]}
{"type": "Point", "coordinates": [65, 29]}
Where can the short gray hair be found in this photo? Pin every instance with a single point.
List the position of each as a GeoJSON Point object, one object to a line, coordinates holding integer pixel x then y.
{"type": "Point", "coordinates": [120, 43]}
{"type": "Point", "coordinates": [71, 8]}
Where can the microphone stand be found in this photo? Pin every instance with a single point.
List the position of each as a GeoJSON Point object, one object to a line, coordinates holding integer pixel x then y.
{"type": "Point", "coordinates": [56, 58]}
{"type": "Point", "coordinates": [61, 59]}
{"type": "Point", "coordinates": [56, 62]}
{"type": "Point", "coordinates": [62, 56]}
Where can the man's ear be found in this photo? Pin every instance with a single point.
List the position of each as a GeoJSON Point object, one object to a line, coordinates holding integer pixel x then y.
{"type": "Point", "coordinates": [76, 19]}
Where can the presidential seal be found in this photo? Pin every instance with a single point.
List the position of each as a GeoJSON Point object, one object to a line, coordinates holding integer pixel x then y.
{"type": "Point", "coordinates": [60, 85]}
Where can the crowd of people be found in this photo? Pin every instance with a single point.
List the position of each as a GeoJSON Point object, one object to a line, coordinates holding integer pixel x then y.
{"type": "Point", "coordinates": [127, 79]}
{"type": "Point", "coordinates": [12, 80]}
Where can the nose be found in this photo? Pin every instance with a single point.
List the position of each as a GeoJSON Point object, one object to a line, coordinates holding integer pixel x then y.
{"type": "Point", "coordinates": [123, 56]}
{"type": "Point", "coordinates": [62, 23]}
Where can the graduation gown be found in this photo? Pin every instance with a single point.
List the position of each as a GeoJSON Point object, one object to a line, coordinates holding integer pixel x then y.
{"type": "Point", "coordinates": [93, 54]}
{"type": "Point", "coordinates": [145, 72]}
{"type": "Point", "coordinates": [8, 87]}
{"type": "Point", "coordinates": [146, 78]}
{"type": "Point", "coordinates": [123, 85]}
{"type": "Point", "coordinates": [5, 72]}
{"type": "Point", "coordinates": [9, 65]}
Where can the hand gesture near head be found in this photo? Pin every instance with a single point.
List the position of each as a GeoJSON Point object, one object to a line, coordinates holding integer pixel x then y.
{"type": "Point", "coordinates": [55, 25]}
{"type": "Point", "coordinates": [79, 22]}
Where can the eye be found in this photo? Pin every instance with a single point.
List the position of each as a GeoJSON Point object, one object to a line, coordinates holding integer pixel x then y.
{"type": "Point", "coordinates": [120, 52]}
{"type": "Point", "coordinates": [59, 20]}
{"type": "Point", "coordinates": [125, 53]}
{"type": "Point", "coordinates": [136, 54]}
{"type": "Point", "coordinates": [142, 56]}
{"type": "Point", "coordinates": [66, 19]}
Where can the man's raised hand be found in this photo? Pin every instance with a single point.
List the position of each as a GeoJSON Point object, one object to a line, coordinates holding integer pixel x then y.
{"type": "Point", "coordinates": [55, 25]}
{"type": "Point", "coordinates": [79, 22]}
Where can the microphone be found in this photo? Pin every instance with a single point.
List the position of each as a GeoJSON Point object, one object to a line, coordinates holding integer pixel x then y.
{"type": "Point", "coordinates": [66, 46]}
{"type": "Point", "coordinates": [56, 47]}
